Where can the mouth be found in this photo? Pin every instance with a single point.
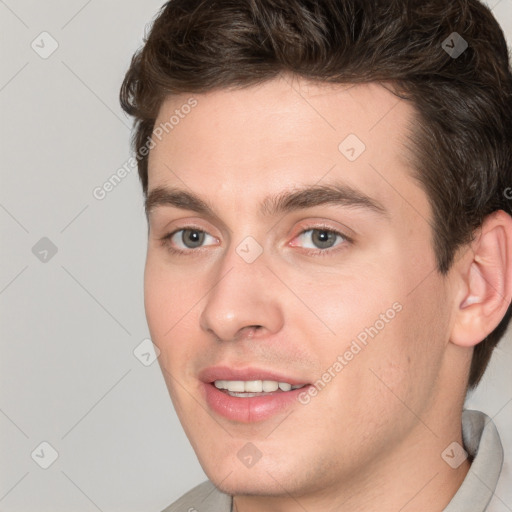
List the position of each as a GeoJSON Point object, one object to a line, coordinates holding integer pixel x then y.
{"type": "Point", "coordinates": [249, 395]}
{"type": "Point", "coordinates": [252, 388]}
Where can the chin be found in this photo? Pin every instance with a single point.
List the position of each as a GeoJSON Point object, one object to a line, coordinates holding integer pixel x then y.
{"type": "Point", "coordinates": [254, 485]}
{"type": "Point", "coordinates": [263, 479]}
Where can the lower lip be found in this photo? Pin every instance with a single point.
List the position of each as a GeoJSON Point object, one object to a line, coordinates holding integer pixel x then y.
{"type": "Point", "coordinates": [251, 409]}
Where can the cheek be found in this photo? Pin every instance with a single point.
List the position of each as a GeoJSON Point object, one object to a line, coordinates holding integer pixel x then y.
{"type": "Point", "coordinates": [169, 305]}
{"type": "Point", "coordinates": [167, 296]}
{"type": "Point", "coordinates": [157, 300]}
{"type": "Point", "coordinates": [402, 363]}
{"type": "Point", "coordinates": [169, 311]}
{"type": "Point", "coordinates": [391, 341]}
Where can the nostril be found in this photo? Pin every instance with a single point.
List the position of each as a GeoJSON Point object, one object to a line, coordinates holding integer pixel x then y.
{"type": "Point", "coordinates": [248, 331]}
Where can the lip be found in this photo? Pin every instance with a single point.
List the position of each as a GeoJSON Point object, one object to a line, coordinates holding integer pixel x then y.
{"type": "Point", "coordinates": [213, 373]}
{"type": "Point", "coordinates": [251, 409]}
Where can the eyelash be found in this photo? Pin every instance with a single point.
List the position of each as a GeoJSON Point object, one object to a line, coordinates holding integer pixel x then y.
{"type": "Point", "coordinates": [166, 241]}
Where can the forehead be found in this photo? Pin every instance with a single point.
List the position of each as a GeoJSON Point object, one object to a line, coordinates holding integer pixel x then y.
{"type": "Point", "coordinates": [246, 143]}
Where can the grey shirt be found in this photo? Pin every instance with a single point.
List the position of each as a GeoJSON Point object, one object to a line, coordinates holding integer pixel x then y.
{"type": "Point", "coordinates": [476, 494]}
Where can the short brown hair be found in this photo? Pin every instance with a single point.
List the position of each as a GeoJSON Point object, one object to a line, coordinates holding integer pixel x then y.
{"type": "Point", "coordinates": [462, 142]}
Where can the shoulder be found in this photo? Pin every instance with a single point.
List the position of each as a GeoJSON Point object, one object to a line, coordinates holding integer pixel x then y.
{"type": "Point", "coordinates": [204, 497]}
{"type": "Point", "coordinates": [483, 445]}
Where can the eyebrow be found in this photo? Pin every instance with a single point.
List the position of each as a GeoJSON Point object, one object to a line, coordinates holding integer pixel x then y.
{"type": "Point", "coordinates": [299, 198]}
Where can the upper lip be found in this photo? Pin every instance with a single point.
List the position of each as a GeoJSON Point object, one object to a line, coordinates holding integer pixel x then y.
{"type": "Point", "coordinates": [214, 373]}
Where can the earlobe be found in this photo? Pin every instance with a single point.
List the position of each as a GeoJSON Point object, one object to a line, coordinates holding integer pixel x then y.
{"type": "Point", "coordinates": [485, 281]}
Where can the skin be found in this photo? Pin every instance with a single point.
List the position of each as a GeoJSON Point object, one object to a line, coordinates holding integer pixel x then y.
{"type": "Point", "coordinates": [372, 438]}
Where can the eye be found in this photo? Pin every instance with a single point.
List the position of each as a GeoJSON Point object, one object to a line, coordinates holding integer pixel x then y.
{"type": "Point", "coordinates": [187, 239]}
{"type": "Point", "coordinates": [320, 238]}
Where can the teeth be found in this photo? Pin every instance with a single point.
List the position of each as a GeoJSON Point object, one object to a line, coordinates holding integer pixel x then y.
{"type": "Point", "coordinates": [254, 386]}
{"type": "Point", "coordinates": [270, 385]}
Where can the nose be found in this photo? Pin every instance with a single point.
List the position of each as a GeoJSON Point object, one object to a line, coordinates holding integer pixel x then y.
{"type": "Point", "coordinates": [244, 300]}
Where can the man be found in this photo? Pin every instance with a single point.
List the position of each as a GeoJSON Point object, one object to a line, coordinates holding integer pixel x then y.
{"type": "Point", "coordinates": [329, 260]}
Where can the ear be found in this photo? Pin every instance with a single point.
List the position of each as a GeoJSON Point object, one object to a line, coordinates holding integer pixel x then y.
{"type": "Point", "coordinates": [484, 281]}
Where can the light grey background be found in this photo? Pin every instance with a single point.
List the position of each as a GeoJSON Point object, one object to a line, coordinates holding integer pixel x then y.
{"type": "Point", "coordinates": [70, 324]}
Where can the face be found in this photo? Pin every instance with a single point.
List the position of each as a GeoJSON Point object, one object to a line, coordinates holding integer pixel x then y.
{"type": "Point", "coordinates": [252, 280]}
